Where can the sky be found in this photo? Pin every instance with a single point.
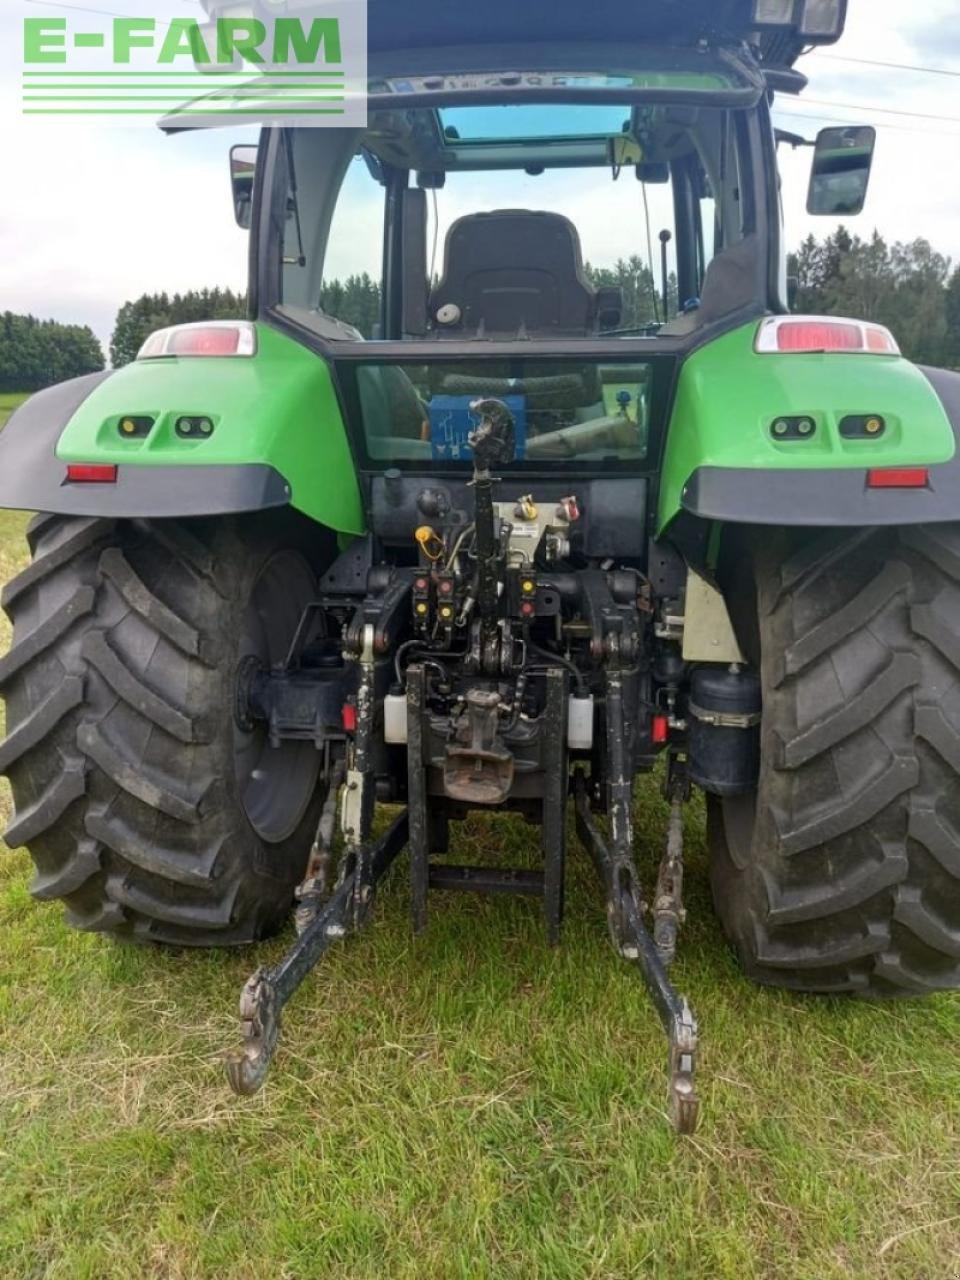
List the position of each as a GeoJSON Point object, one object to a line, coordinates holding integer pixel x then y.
{"type": "Point", "coordinates": [92, 215]}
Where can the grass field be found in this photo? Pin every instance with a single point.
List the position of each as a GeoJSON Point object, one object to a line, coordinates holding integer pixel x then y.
{"type": "Point", "coordinates": [8, 402]}
{"type": "Point", "coordinates": [469, 1104]}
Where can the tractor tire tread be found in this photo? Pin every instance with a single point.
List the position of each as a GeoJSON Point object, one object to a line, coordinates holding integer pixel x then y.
{"type": "Point", "coordinates": [120, 735]}
{"type": "Point", "coordinates": [849, 877]}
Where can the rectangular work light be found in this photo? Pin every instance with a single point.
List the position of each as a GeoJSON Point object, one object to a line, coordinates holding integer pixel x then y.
{"type": "Point", "coordinates": [814, 20]}
{"type": "Point", "coordinates": [773, 13]}
{"type": "Point", "coordinates": [822, 19]}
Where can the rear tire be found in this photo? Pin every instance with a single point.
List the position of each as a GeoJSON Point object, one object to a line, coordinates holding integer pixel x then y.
{"type": "Point", "coordinates": [146, 810]}
{"type": "Point", "coordinates": [842, 872]}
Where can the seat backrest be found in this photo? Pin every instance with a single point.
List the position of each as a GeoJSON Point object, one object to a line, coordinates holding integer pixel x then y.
{"type": "Point", "coordinates": [728, 284]}
{"type": "Point", "coordinates": [512, 271]}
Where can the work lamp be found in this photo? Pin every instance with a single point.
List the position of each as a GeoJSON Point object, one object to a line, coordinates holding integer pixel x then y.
{"type": "Point", "coordinates": [814, 20]}
{"type": "Point", "coordinates": [773, 13]}
{"type": "Point", "coordinates": [821, 19]}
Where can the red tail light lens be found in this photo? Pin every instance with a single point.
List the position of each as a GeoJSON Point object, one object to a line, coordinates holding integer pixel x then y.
{"type": "Point", "coordinates": [806, 335]}
{"type": "Point", "coordinates": [215, 338]}
{"type": "Point", "coordinates": [91, 473]}
{"type": "Point", "coordinates": [899, 478]}
{"type": "Point", "coordinates": [818, 334]}
{"type": "Point", "coordinates": [204, 342]}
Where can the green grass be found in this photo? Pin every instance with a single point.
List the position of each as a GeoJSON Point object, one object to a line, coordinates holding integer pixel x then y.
{"type": "Point", "coordinates": [9, 400]}
{"type": "Point", "coordinates": [469, 1104]}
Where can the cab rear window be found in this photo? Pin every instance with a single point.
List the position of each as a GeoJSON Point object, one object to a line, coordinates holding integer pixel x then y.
{"type": "Point", "coordinates": [569, 411]}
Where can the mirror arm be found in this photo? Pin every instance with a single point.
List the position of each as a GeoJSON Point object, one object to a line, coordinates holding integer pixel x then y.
{"type": "Point", "coordinates": [794, 140]}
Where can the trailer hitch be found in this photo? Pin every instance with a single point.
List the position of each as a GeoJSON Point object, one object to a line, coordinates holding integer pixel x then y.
{"type": "Point", "coordinates": [632, 941]}
{"type": "Point", "coordinates": [269, 990]}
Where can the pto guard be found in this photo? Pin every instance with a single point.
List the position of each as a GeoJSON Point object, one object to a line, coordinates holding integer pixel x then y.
{"type": "Point", "coordinates": [732, 455]}
{"type": "Point", "coordinates": [189, 435]}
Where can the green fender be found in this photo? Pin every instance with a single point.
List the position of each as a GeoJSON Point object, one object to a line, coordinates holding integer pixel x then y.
{"type": "Point", "coordinates": [278, 439]}
{"type": "Point", "coordinates": [722, 460]}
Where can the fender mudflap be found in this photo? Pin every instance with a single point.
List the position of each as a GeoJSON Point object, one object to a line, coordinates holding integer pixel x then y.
{"type": "Point", "coordinates": [819, 499]}
{"type": "Point", "coordinates": [832, 497]}
{"type": "Point", "coordinates": [33, 478]}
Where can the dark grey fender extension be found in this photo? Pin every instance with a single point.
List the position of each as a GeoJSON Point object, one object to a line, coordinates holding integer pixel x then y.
{"type": "Point", "coordinates": [33, 478]}
{"type": "Point", "coordinates": [738, 495]}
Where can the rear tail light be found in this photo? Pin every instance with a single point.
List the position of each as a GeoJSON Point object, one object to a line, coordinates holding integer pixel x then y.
{"type": "Point", "coordinates": [899, 478]}
{"type": "Point", "coordinates": [91, 473]}
{"type": "Point", "coordinates": [804, 335]}
{"type": "Point", "coordinates": [211, 338]}
{"type": "Point", "coordinates": [809, 334]}
{"type": "Point", "coordinates": [881, 341]}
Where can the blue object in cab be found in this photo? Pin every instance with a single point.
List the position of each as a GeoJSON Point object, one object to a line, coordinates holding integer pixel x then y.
{"type": "Point", "coordinates": [451, 423]}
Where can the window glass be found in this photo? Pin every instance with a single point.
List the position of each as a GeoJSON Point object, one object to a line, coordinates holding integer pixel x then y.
{"type": "Point", "coordinates": [610, 217]}
{"type": "Point", "coordinates": [353, 262]}
{"type": "Point", "coordinates": [637, 203]}
{"type": "Point", "coordinates": [563, 411]}
{"type": "Point", "coordinates": [574, 120]}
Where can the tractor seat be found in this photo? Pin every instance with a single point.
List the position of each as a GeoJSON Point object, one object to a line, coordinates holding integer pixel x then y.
{"type": "Point", "coordinates": [516, 272]}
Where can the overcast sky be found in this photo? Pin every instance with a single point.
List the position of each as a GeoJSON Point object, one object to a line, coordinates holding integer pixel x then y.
{"type": "Point", "coordinates": [91, 215]}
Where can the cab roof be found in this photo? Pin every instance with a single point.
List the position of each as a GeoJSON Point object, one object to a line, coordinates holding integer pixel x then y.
{"type": "Point", "coordinates": [435, 24]}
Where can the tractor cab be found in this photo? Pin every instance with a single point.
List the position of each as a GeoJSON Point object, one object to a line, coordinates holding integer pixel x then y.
{"type": "Point", "coordinates": [553, 224]}
{"type": "Point", "coordinates": [520, 221]}
{"type": "Point", "coordinates": [556, 242]}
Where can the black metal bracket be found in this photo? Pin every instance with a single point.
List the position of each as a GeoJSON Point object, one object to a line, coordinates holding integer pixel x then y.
{"type": "Point", "coordinates": [548, 884]}
{"type": "Point", "coordinates": [553, 829]}
{"type": "Point", "coordinates": [268, 991]}
{"type": "Point", "coordinates": [633, 942]}
{"type": "Point", "coordinates": [668, 910]}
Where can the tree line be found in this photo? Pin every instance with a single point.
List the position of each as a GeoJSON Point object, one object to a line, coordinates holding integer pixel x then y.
{"type": "Point", "coordinates": [911, 288]}
{"type": "Point", "coordinates": [355, 300]}
{"type": "Point", "coordinates": [37, 353]}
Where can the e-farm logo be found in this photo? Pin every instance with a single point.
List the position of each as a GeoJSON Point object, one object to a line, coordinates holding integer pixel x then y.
{"type": "Point", "coordinates": [307, 67]}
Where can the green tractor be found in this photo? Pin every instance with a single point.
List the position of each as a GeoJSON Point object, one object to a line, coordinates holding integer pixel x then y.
{"type": "Point", "coordinates": [533, 532]}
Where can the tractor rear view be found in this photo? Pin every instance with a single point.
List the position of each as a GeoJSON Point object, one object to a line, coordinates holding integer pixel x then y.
{"type": "Point", "coordinates": [536, 530]}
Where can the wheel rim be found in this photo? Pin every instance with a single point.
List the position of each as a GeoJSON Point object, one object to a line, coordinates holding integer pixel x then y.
{"type": "Point", "coordinates": [276, 783]}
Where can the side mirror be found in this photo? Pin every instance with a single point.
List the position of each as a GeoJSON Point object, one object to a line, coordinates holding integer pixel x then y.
{"type": "Point", "coordinates": [243, 167]}
{"type": "Point", "coordinates": [841, 171]}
